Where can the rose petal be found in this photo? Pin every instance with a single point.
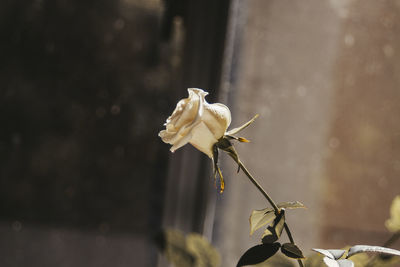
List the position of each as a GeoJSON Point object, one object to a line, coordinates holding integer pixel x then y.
{"type": "Point", "coordinates": [217, 117]}
{"type": "Point", "coordinates": [203, 139]}
{"type": "Point", "coordinates": [181, 142]}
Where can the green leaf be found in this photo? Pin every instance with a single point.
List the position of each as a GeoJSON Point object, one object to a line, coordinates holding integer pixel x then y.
{"type": "Point", "coordinates": [269, 236]}
{"type": "Point", "coordinates": [292, 251]}
{"type": "Point", "coordinates": [260, 218]}
{"type": "Point", "coordinates": [273, 232]}
{"type": "Point", "coordinates": [393, 224]}
{"type": "Point", "coordinates": [291, 205]}
{"type": "Point", "coordinates": [364, 248]}
{"type": "Point", "coordinates": [279, 223]}
{"type": "Point", "coordinates": [258, 254]}
{"type": "Point", "coordinates": [206, 255]}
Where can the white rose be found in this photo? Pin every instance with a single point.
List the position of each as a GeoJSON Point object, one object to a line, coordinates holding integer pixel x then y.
{"type": "Point", "coordinates": [196, 122]}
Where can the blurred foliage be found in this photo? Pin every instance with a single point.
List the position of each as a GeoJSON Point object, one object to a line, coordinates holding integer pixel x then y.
{"type": "Point", "coordinates": [385, 261]}
{"type": "Point", "coordinates": [314, 260]}
{"type": "Point", "coordinates": [360, 260]}
{"type": "Point", "coordinates": [278, 260]}
{"type": "Point", "coordinates": [393, 223]}
{"type": "Point", "coordinates": [190, 251]}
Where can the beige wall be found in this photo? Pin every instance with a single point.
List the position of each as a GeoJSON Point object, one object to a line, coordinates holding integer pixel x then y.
{"type": "Point", "coordinates": [324, 77]}
{"type": "Point", "coordinates": [363, 170]}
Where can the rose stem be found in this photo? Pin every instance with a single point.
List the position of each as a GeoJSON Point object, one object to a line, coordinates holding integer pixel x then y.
{"type": "Point", "coordinates": [265, 194]}
{"type": "Point", "coordinates": [291, 240]}
{"type": "Point", "coordinates": [259, 187]}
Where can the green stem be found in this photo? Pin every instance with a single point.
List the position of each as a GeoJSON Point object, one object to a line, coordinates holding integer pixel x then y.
{"type": "Point", "coordinates": [291, 240]}
{"type": "Point", "coordinates": [288, 233]}
{"type": "Point", "coordinates": [259, 187]}
{"type": "Point", "coordinates": [265, 194]}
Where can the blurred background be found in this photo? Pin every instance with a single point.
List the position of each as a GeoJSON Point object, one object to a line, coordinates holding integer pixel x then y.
{"type": "Point", "coordinates": [85, 87]}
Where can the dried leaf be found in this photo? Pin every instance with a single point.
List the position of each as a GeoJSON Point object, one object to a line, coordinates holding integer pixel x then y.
{"type": "Point", "coordinates": [243, 140]}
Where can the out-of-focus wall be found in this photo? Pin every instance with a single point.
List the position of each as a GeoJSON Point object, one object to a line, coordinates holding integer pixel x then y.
{"type": "Point", "coordinates": [323, 76]}
{"type": "Point", "coordinates": [85, 87]}
{"type": "Point", "coordinates": [363, 168]}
